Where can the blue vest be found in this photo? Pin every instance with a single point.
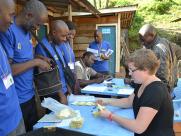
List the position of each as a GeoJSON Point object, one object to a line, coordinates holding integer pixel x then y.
{"type": "Point", "coordinates": [67, 52]}
{"type": "Point", "coordinates": [18, 46]}
{"type": "Point", "coordinates": [100, 66]}
{"type": "Point", "coordinates": [39, 51]}
{"type": "Point", "coordinates": [10, 112]}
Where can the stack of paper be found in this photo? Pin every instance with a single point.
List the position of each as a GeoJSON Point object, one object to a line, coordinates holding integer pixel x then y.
{"type": "Point", "coordinates": [81, 98]}
{"type": "Point", "coordinates": [126, 91]}
{"type": "Point", "coordinates": [95, 88]}
{"type": "Point", "coordinates": [93, 51]}
{"type": "Point", "coordinates": [109, 52]}
{"type": "Point", "coordinates": [51, 118]}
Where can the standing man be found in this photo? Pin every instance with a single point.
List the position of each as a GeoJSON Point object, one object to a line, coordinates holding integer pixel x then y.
{"type": "Point", "coordinates": [57, 36]}
{"type": "Point", "coordinates": [168, 53]}
{"type": "Point", "coordinates": [19, 49]}
{"type": "Point", "coordinates": [66, 48]}
{"type": "Point", "coordinates": [101, 64]}
{"type": "Point", "coordinates": [11, 121]}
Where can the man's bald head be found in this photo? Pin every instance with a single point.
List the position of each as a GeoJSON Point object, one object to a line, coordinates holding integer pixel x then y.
{"type": "Point", "coordinates": [6, 4]}
{"type": "Point", "coordinates": [59, 30]}
{"type": "Point", "coordinates": [147, 34]}
{"type": "Point", "coordinates": [34, 14]}
{"type": "Point", "coordinates": [147, 28]}
{"type": "Point", "coordinates": [98, 36]}
{"type": "Point", "coordinates": [7, 11]}
{"type": "Point", "coordinates": [35, 7]}
{"type": "Point", "coordinates": [58, 24]}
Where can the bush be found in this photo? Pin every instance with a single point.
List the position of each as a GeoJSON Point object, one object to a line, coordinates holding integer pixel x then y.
{"type": "Point", "coordinates": [157, 12]}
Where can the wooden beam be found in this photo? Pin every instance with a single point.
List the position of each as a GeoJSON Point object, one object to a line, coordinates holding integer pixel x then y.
{"type": "Point", "coordinates": [55, 4]}
{"type": "Point", "coordinates": [86, 7]}
{"type": "Point", "coordinates": [81, 47]}
{"type": "Point", "coordinates": [70, 12]}
{"type": "Point", "coordinates": [118, 48]}
{"type": "Point", "coordinates": [55, 9]}
{"type": "Point", "coordinates": [70, 19]}
{"type": "Point", "coordinates": [83, 40]}
{"type": "Point", "coordinates": [50, 13]}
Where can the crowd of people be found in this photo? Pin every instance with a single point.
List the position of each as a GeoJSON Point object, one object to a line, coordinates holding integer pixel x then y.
{"type": "Point", "coordinates": [152, 69]}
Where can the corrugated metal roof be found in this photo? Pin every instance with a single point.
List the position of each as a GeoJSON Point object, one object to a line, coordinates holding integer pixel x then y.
{"type": "Point", "coordinates": [126, 14]}
{"type": "Point", "coordinates": [119, 9]}
{"type": "Point", "coordinates": [61, 6]}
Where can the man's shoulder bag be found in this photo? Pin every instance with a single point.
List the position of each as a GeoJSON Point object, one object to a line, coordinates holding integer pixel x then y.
{"type": "Point", "coordinates": [47, 82]}
{"type": "Point", "coordinates": [69, 75]}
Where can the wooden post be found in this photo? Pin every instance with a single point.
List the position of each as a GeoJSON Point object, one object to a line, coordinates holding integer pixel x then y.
{"type": "Point", "coordinates": [118, 43]}
{"type": "Point", "coordinates": [70, 19]}
{"type": "Point", "coordinates": [70, 12]}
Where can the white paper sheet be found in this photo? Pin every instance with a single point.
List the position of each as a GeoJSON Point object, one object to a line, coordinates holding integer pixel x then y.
{"type": "Point", "coordinates": [95, 88]}
{"type": "Point", "coordinates": [80, 98]}
{"type": "Point", "coordinates": [54, 105]}
{"type": "Point", "coordinates": [107, 82]}
{"type": "Point", "coordinates": [126, 91]}
{"type": "Point", "coordinates": [66, 122]}
{"type": "Point", "coordinates": [93, 51]}
{"type": "Point", "coordinates": [109, 52]}
{"type": "Point", "coordinates": [49, 118]}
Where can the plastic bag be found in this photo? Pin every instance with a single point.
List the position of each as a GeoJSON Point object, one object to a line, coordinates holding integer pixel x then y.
{"type": "Point", "coordinates": [61, 111]}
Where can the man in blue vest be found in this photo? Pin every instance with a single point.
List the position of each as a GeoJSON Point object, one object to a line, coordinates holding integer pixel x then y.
{"type": "Point", "coordinates": [66, 48]}
{"type": "Point", "coordinates": [57, 36]}
{"type": "Point", "coordinates": [101, 64]}
{"type": "Point", "coordinates": [11, 121]}
{"type": "Point", "coordinates": [19, 49]}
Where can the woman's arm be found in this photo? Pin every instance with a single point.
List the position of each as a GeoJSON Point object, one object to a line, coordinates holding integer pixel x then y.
{"type": "Point", "coordinates": [123, 102]}
{"type": "Point", "coordinates": [138, 125]}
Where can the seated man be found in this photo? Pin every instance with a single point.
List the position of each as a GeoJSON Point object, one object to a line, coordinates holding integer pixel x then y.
{"type": "Point", "coordinates": [85, 74]}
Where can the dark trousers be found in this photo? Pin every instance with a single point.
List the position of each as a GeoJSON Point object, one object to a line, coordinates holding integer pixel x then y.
{"type": "Point", "coordinates": [19, 130]}
{"type": "Point", "coordinates": [105, 72]}
{"type": "Point", "coordinates": [29, 113]}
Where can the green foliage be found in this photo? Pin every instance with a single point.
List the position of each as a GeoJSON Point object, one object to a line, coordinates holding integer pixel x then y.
{"type": "Point", "coordinates": [160, 13]}
{"type": "Point", "coordinates": [118, 3]}
{"type": "Point", "coordinates": [158, 7]}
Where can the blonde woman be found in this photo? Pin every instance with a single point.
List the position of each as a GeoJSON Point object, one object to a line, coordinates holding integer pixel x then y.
{"type": "Point", "coordinates": [150, 100]}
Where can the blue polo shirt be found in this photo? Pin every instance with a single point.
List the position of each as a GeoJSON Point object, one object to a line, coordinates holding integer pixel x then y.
{"type": "Point", "coordinates": [10, 112]}
{"type": "Point", "coordinates": [100, 66]}
{"type": "Point", "coordinates": [67, 52]}
{"type": "Point", "coordinates": [39, 51]}
{"type": "Point", "coordinates": [18, 46]}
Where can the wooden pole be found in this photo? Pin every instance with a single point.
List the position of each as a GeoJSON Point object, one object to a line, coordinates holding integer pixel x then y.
{"type": "Point", "coordinates": [70, 19]}
{"type": "Point", "coordinates": [70, 12]}
{"type": "Point", "coordinates": [118, 43]}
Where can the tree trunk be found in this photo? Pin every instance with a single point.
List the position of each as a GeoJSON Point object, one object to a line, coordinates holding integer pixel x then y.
{"type": "Point", "coordinates": [100, 4]}
{"type": "Point", "coordinates": [107, 3]}
{"type": "Point", "coordinates": [95, 4]}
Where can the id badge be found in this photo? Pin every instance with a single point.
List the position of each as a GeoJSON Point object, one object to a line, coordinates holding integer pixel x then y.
{"type": "Point", "coordinates": [8, 81]}
{"type": "Point", "coordinates": [71, 65]}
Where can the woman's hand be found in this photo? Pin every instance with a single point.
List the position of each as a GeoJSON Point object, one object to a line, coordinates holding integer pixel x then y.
{"type": "Point", "coordinates": [101, 102]}
{"type": "Point", "coordinates": [105, 113]}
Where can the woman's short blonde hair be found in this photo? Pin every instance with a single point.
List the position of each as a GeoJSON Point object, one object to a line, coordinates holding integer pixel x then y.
{"type": "Point", "coordinates": [144, 59]}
